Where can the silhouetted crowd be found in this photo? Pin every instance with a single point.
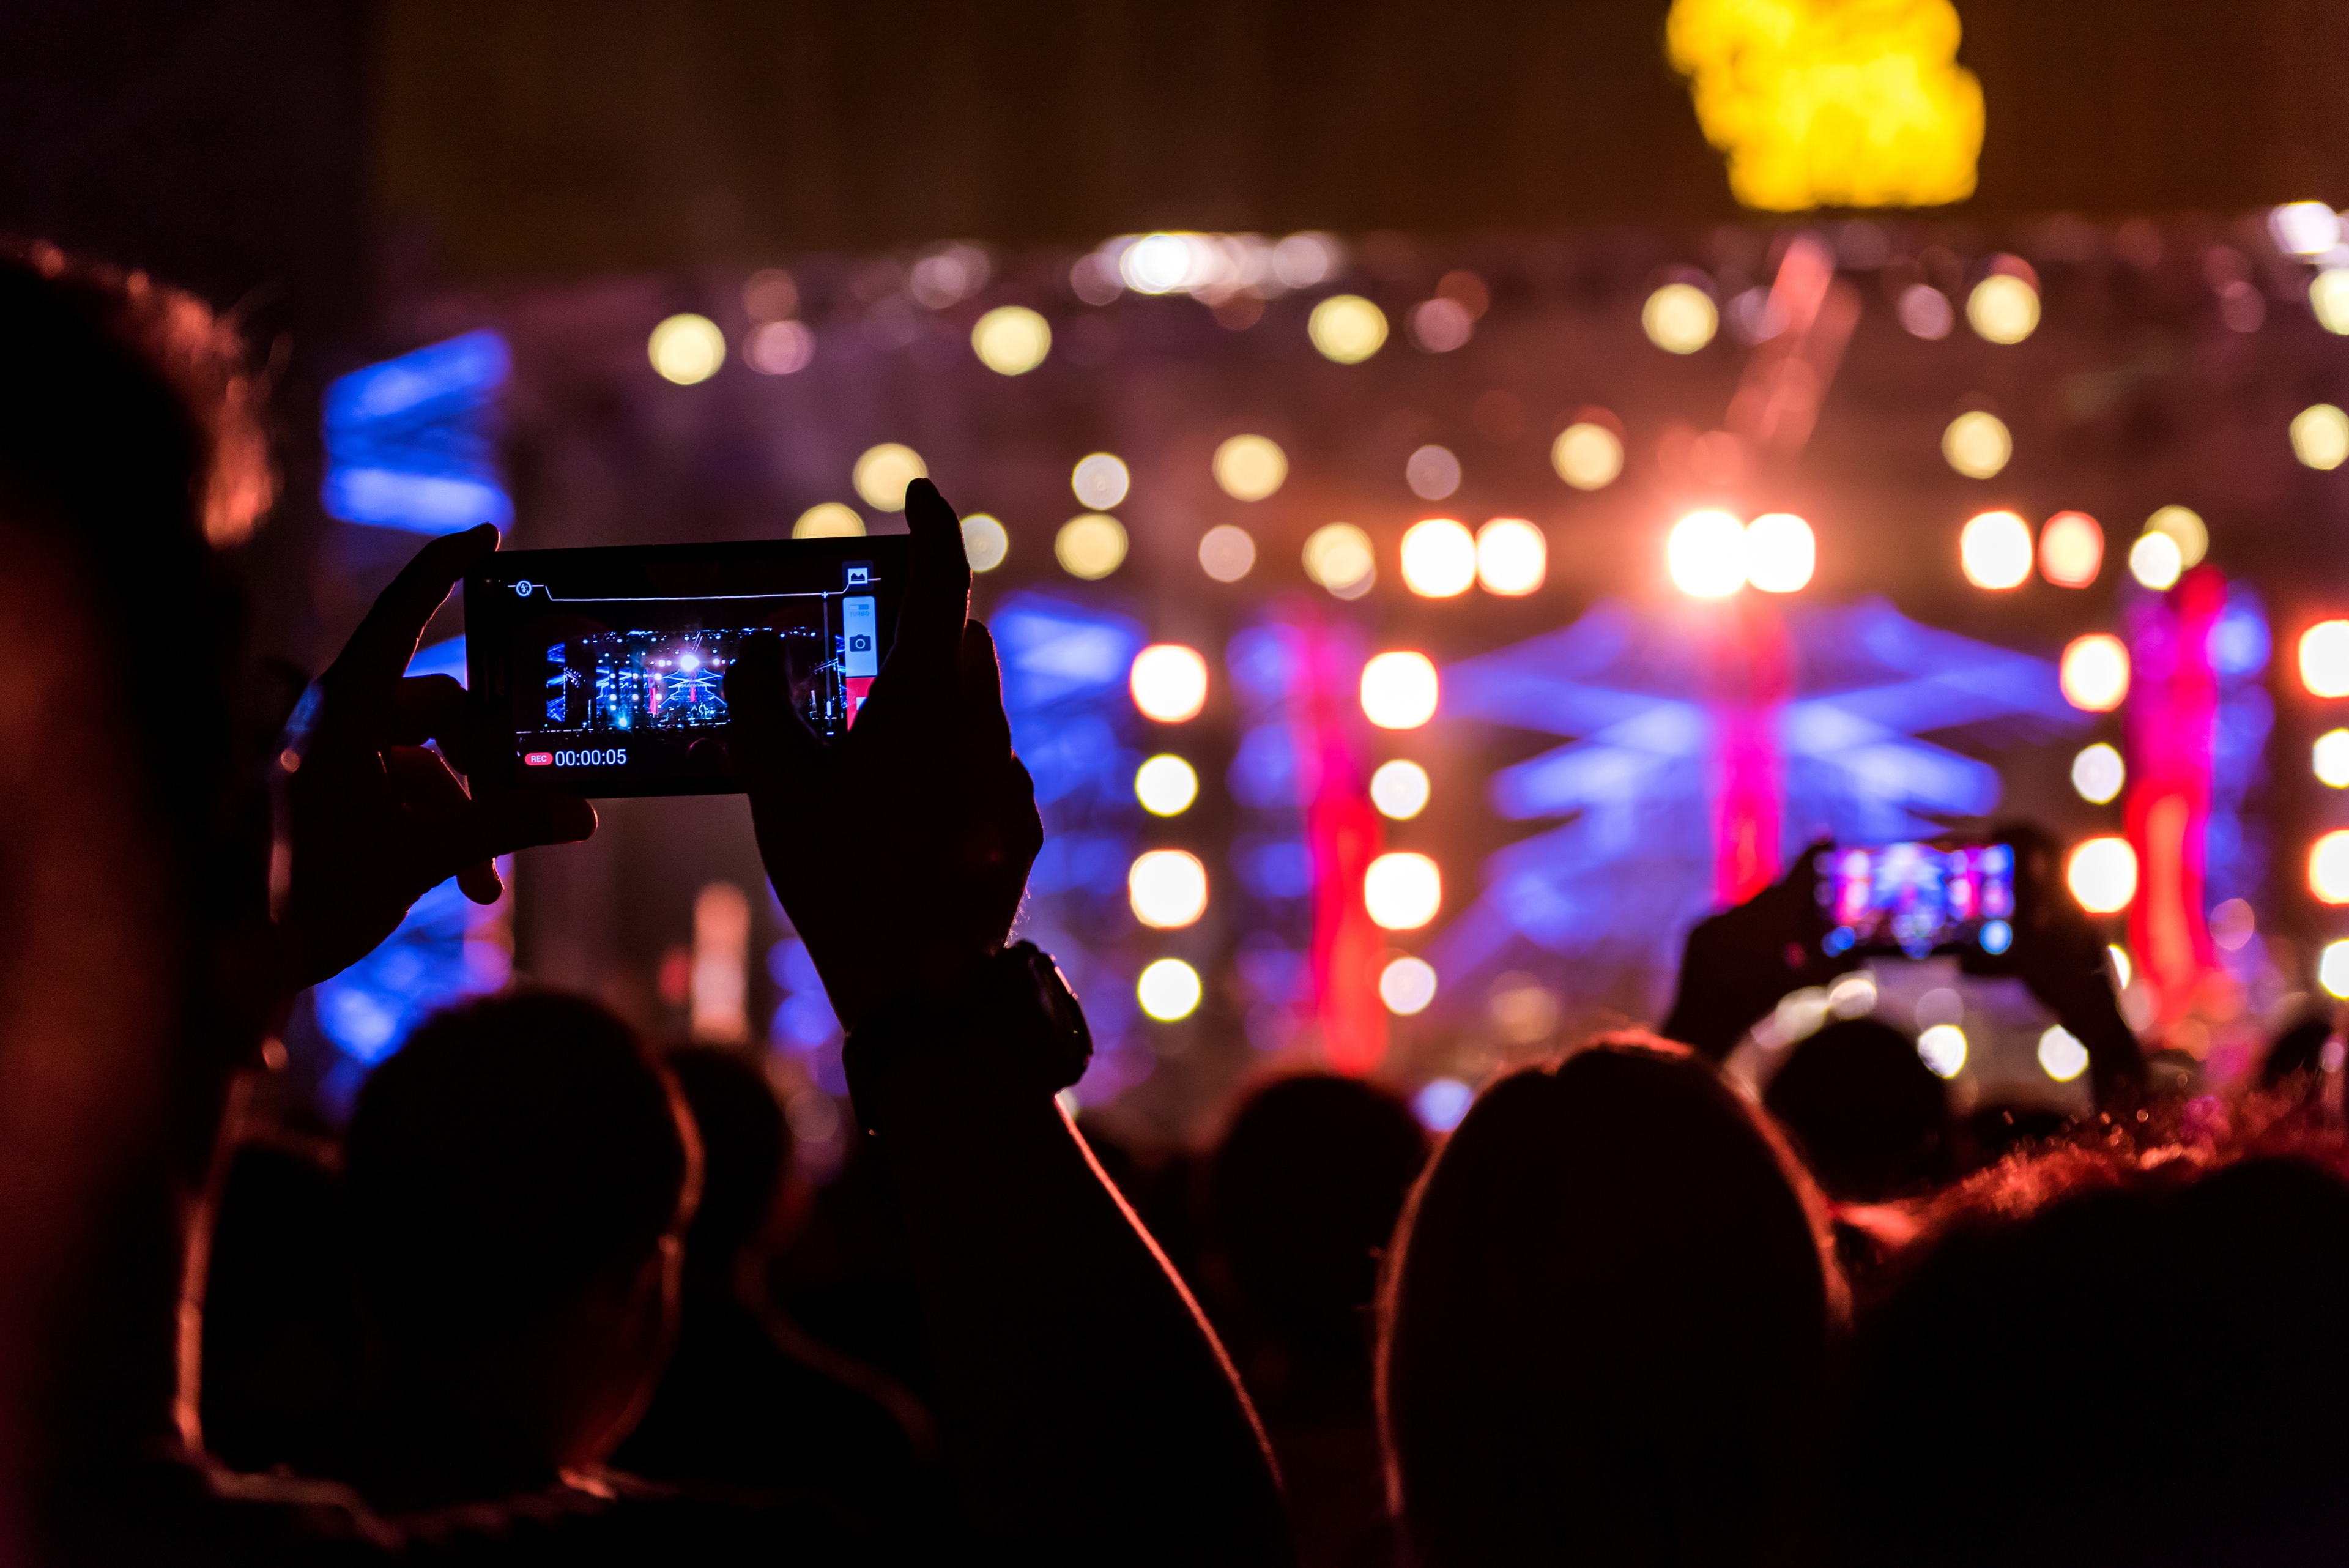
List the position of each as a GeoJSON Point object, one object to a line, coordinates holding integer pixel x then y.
{"type": "Point", "coordinates": [557, 1297]}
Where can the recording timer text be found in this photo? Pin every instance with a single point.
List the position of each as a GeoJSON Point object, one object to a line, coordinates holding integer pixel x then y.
{"type": "Point", "coordinates": [606, 757]}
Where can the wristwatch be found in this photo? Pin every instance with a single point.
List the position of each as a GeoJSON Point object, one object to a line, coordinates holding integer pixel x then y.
{"type": "Point", "coordinates": [1016, 999]}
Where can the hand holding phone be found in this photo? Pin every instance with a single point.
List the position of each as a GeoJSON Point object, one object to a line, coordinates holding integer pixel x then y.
{"type": "Point", "coordinates": [1916, 899]}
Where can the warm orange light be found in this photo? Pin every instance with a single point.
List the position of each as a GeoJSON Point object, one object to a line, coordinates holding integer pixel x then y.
{"type": "Point", "coordinates": [2102, 875]}
{"type": "Point", "coordinates": [1439, 559]}
{"type": "Point", "coordinates": [2071, 550]}
{"type": "Point", "coordinates": [1169, 682]}
{"type": "Point", "coordinates": [2328, 867]}
{"type": "Point", "coordinates": [1995, 550]}
{"type": "Point", "coordinates": [2324, 658]}
{"type": "Point", "coordinates": [1399, 690]}
{"type": "Point", "coordinates": [2094, 673]}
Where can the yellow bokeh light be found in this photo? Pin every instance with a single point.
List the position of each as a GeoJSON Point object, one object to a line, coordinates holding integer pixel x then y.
{"type": "Point", "coordinates": [2320, 436]}
{"type": "Point", "coordinates": [2328, 867]}
{"type": "Point", "coordinates": [1399, 690]}
{"type": "Point", "coordinates": [1680, 318]}
{"type": "Point", "coordinates": [829, 520]}
{"type": "Point", "coordinates": [2071, 550]}
{"type": "Point", "coordinates": [2098, 774]}
{"type": "Point", "coordinates": [1706, 554]}
{"type": "Point", "coordinates": [1512, 557]}
{"type": "Point", "coordinates": [883, 472]}
{"type": "Point", "coordinates": [1823, 104]}
{"type": "Point", "coordinates": [1942, 1049]}
{"type": "Point", "coordinates": [1439, 559]}
{"type": "Point", "coordinates": [2003, 308]}
{"type": "Point", "coordinates": [1405, 890]}
{"type": "Point", "coordinates": [687, 348]}
{"type": "Point", "coordinates": [1169, 682]}
{"type": "Point", "coordinates": [1346, 327]}
{"type": "Point", "coordinates": [1338, 556]}
{"type": "Point", "coordinates": [1165, 785]}
{"type": "Point", "coordinates": [1090, 546]}
{"type": "Point", "coordinates": [1168, 991]}
{"type": "Point", "coordinates": [2324, 658]}
{"type": "Point", "coordinates": [1168, 888]}
{"type": "Point", "coordinates": [1250, 467]}
{"type": "Point", "coordinates": [2328, 296]}
{"type": "Point", "coordinates": [2102, 875]}
{"type": "Point", "coordinates": [2094, 672]}
{"type": "Point", "coordinates": [1100, 481]}
{"type": "Point", "coordinates": [2332, 968]}
{"type": "Point", "coordinates": [2061, 1055]}
{"type": "Point", "coordinates": [1588, 456]}
{"type": "Point", "coordinates": [984, 541]}
{"type": "Point", "coordinates": [1227, 553]}
{"type": "Point", "coordinates": [1994, 550]}
{"type": "Point", "coordinates": [2154, 561]}
{"type": "Point", "coordinates": [1407, 985]}
{"type": "Point", "coordinates": [1780, 553]}
{"type": "Point", "coordinates": [2186, 529]}
{"type": "Point", "coordinates": [1400, 789]}
{"type": "Point", "coordinates": [1977, 444]}
{"type": "Point", "coordinates": [2330, 757]}
{"type": "Point", "coordinates": [1012, 339]}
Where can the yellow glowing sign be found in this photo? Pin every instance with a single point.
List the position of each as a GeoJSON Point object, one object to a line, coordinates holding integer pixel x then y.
{"type": "Point", "coordinates": [1832, 103]}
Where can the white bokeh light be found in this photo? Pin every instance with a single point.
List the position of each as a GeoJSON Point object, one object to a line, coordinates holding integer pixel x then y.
{"type": "Point", "coordinates": [1512, 557]}
{"type": "Point", "coordinates": [1780, 553]}
{"type": "Point", "coordinates": [2061, 1055]}
{"type": "Point", "coordinates": [2102, 875]}
{"type": "Point", "coordinates": [1400, 789]}
{"type": "Point", "coordinates": [1168, 991]}
{"type": "Point", "coordinates": [1407, 985]}
{"type": "Point", "coordinates": [2098, 774]}
{"type": "Point", "coordinates": [1169, 682]}
{"type": "Point", "coordinates": [1402, 891]}
{"type": "Point", "coordinates": [1942, 1048]}
{"type": "Point", "coordinates": [1706, 554]}
{"type": "Point", "coordinates": [1168, 888]}
{"type": "Point", "coordinates": [1399, 690]}
{"type": "Point", "coordinates": [1165, 785]}
{"type": "Point", "coordinates": [1439, 559]}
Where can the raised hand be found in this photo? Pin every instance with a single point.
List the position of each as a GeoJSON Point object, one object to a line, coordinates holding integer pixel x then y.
{"type": "Point", "coordinates": [901, 852]}
{"type": "Point", "coordinates": [1738, 963]}
{"type": "Point", "coordinates": [376, 819]}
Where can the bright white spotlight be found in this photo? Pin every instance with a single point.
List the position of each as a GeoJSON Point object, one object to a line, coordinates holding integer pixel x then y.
{"type": "Point", "coordinates": [1400, 789]}
{"type": "Point", "coordinates": [1169, 682]}
{"type": "Point", "coordinates": [2102, 875]}
{"type": "Point", "coordinates": [1399, 690]}
{"type": "Point", "coordinates": [1512, 557]}
{"type": "Point", "coordinates": [984, 542]}
{"type": "Point", "coordinates": [2094, 672]}
{"type": "Point", "coordinates": [1994, 550]}
{"type": "Point", "coordinates": [2061, 1055]}
{"type": "Point", "coordinates": [883, 472]}
{"type": "Point", "coordinates": [1780, 553]}
{"type": "Point", "coordinates": [1942, 1048]}
{"type": "Point", "coordinates": [2331, 757]}
{"type": "Point", "coordinates": [1168, 888]}
{"type": "Point", "coordinates": [2304, 228]}
{"type": "Point", "coordinates": [2154, 561]}
{"type": "Point", "coordinates": [687, 348]}
{"type": "Point", "coordinates": [1439, 559]}
{"type": "Point", "coordinates": [1168, 991]}
{"type": "Point", "coordinates": [2332, 968]}
{"type": "Point", "coordinates": [1402, 891]}
{"type": "Point", "coordinates": [1407, 985]}
{"type": "Point", "coordinates": [1101, 480]}
{"type": "Point", "coordinates": [2328, 867]}
{"type": "Point", "coordinates": [1165, 785]}
{"type": "Point", "coordinates": [2098, 774]}
{"type": "Point", "coordinates": [1706, 554]}
{"type": "Point", "coordinates": [2324, 658]}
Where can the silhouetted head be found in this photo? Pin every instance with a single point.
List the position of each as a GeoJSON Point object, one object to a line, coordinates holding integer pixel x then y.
{"type": "Point", "coordinates": [746, 1146]}
{"type": "Point", "coordinates": [520, 1174]}
{"type": "Point", "coordinates": [1607, 1323]}
{"type": "Point", "coordinates": [1305, 1189]}
{"type": "Point", "coordinates": [1871, 1119]}
{"type": "Point", "coordinates": [2098, 1364]}
{"type": "Point", "coordinates": [2299, 1049]}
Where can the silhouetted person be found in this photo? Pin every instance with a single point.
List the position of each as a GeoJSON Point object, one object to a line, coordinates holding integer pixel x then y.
{"type": "Point", "coordinates": [750, 1398]}
{"type": "Point", "coordinates": [1871, 1118]}
{"type": "Point", "coordinates": [2298, 1050]}
{"type": "Point", "coordinates": [520, 1178]}
{"type": "Point", "coordinates": [1609, 1325]}
{"type": "Point", "coordinates": [1305, 1190]}
{"type": "Point", "coordinates": [282, 1336]}
{"type": "Point", "coordinates": [2096, 1363]}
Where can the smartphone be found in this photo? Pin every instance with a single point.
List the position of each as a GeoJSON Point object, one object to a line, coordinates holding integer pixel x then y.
{"type": "Point", "coordinates": [1916, 899]}
{"type": "Point", "coordinates": [603, 672]}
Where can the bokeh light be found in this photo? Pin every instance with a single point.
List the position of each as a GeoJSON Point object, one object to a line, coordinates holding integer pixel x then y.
{"type": "Point", "coordinates": [1440, 325]}
{"type": "Point", "coordinates": [1977, 444]}
{"type": "Point", "coordinates": [2304, 228]}
{"type": "Point", "coordinates": [2102, 874]}
{"type": "Point", "coordinates": [1346, 327]}
{"type": "Point", "coordinates": [1168, 888]}
{"type": "Point", "coordinates": [1156, 264]}
{"type": "Point", "coordinates": [1995, 550]}
{"type": "Point", "coordinates": [1439, 559]}
{"type": "Point", "coordinates": [2330, 757]}
{"type": "Point", "coordinates": [2098, 774]}
{"type": "Point", "coordinates": [1338, 556]}
{"type": "Point", "coordinates": [2184, 527]}
{"type": "Point", "coordinates": [2071, 550]}
{"type": "Point", "coordinates": [2320, 436]}
{"type": "Point", "coordinates": [1250, 467]}
{"type": "Point", "coordinates": [1432, 473]}
{"type": "Point", "coordinates": [2154, 562]}
{"type": "Point", "coordinates": [2061, 1055]}
{"type": "Point", "coordinates": [1400, 789]}
{"type": "Point", "coordinates": [2003, 308]}
{"type": "Point", "coordinates": [1227, 553]}
{"type": "Point", "coordinates": [828, 520]}
{"type": "Point", "coordinates": [771, 294]}
{"type": "Point", "coordinates": [1588, 456]}
{"type": "Point", "coordinates": [1090, 546]}
{"type": "Point", "coordinates": [779, 347]}
{"type": "Point", "coordinates": [984, 541]}
{"type": "Point", "coordinates": [2094, 673]}
{"type": "Point", "coordinates": [883, 472]}
{"type": "Point", "coordinates": [1168, 991]}
{"type": "Point", "coordinates": [1512, 557]}
{"type": "Point", "coordinates": [2332, 968]}
{"type": "Point", "coordinates": [1942, 1048]}
{"type": "Point", "coordinates": [1706, 554]}
{"type": "Point", "coordinates": [687, 348]}
{"type": "Point", "coordinates": [1780, 553]}
{"type": "Point", "coordinates": [2328, 867]}
{"type": "Point", "coordinates": [1680, 318]}
{"type": "Point", "coordinates": [1012, 339]}
{"type": "Point", "coordinates": [1399, 690]}
{"type": "Point", "coordinates": [1165, 785]}
{"type": "Point", "coordinates": [2324, 658]}
{"type": "Point", "coordinates": [2328, 298]}
{"type": "Point", "coordinates": [1926, 312]}
{"type": "Point", "coordinates": [1100, 481]}
{"type": "Point", "coordinates": [1442, 1103]}
{"type": "Point", "coordinates": [1169, 682]}
{"type": "Point", "coordinates": [1402, 891]}
{"type": "Point", "coordinates": [1407, 985]}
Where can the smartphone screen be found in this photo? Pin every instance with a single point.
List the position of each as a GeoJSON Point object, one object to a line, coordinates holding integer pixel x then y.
{"type": "Point", "coordinates": [603, 672]}
{"type": "Point", "coordinates": [1918, 899]}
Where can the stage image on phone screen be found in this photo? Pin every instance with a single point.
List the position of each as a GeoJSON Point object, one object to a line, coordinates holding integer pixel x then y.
{"type": "Point", "coordinates": [1918, 899]}
{"type": "Point", "coordinates": [608, 667]}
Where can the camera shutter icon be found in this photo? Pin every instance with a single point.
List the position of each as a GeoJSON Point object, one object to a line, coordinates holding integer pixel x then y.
{"type": "Point", "coordinates": [860, 644]}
